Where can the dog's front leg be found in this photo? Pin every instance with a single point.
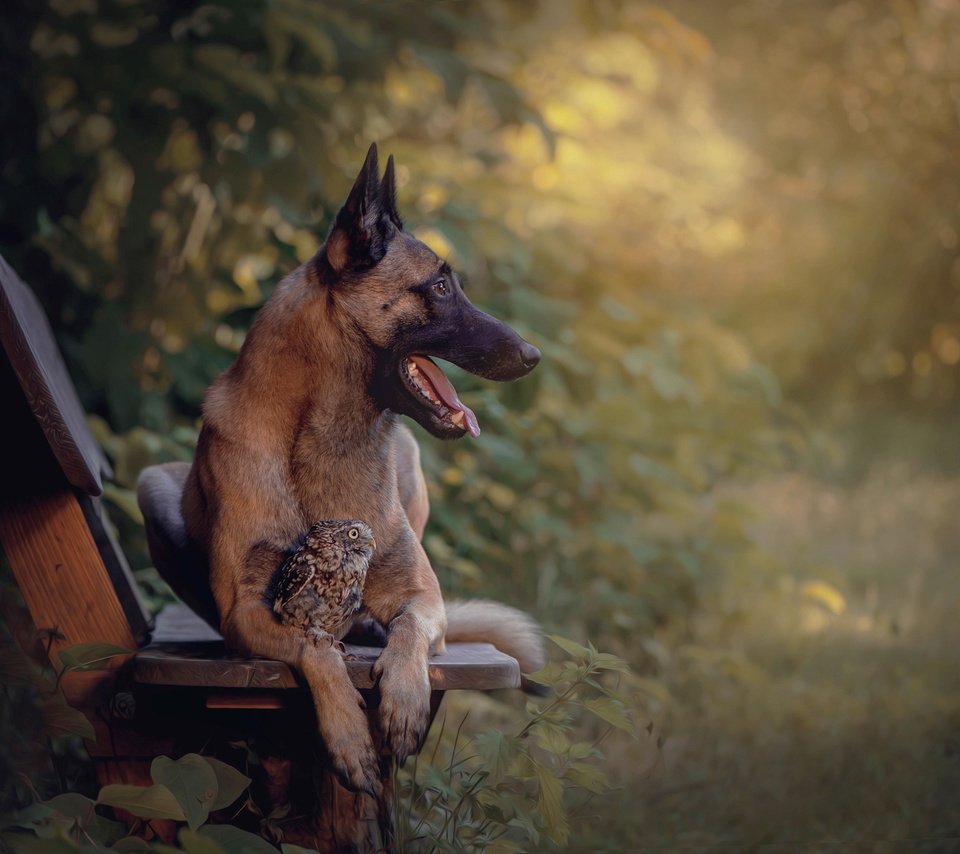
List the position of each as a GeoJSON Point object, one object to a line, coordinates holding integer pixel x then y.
{"type": "Point", "coordinates": [404, 678]}
{"type": "Point", "coordinates": [250, 626]}
{"type": "Point", "coordinates": [408, 601]}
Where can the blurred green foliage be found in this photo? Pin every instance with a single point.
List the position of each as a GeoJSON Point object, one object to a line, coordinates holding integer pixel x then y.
{"type": "Point", "coordinates": [726, 226]}
{"type": "Point", "coordinates": [187, 158]}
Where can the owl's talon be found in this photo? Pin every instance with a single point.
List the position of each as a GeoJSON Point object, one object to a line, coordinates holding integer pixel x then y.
{"type": "Point", "coordinates": [318, 636]}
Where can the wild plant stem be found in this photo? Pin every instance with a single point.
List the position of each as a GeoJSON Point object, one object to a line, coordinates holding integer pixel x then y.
{"type": "Point", "coordinates": [541, 715]}
{"type": "Point", "coordinates": [453, 755]}
{"type": "Point", "coordinates": [453, 815]}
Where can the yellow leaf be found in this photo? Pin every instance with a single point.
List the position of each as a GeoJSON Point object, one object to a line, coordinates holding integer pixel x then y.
{"type": "Point", "coordinates": [826, 594]}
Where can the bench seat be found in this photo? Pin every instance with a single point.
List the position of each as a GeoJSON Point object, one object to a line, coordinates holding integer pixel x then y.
{"type": "Point", "coordinates": [185, 651]}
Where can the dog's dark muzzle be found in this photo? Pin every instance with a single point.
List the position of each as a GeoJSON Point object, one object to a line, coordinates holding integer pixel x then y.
{"type": "Point", "coordinates": [490, 349]}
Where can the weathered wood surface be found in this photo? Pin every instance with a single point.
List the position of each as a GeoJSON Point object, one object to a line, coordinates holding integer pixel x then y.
{"type": "Point", "coordinates": [185, 651]}
{"type": "Point", "coordinates": [60, 572]}
{"type": "Point", "coordinates": [32, 350]}
{"type": "Point", "coordinates": [54, 455]}
{"type": "Point", "coordinates": [124, 584]}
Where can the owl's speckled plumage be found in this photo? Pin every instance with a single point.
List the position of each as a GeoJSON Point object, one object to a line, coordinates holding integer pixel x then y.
{"type": "Point", "coordinates": [320, 586]}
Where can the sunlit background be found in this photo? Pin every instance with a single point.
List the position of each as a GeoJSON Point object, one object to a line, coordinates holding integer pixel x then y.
{"type": "Point", "coordinates": [733, 228]}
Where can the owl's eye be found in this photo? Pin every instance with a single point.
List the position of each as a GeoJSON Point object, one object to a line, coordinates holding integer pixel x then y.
{"type": "Point", "coordinates": [353, 533]}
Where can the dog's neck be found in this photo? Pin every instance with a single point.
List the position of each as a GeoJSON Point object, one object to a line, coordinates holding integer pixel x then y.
{"type": "Point", "coordinates": [296, 359]}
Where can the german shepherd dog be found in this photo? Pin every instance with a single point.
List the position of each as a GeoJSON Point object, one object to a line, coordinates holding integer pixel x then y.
{"type": "Point", "coordinates": [304, 426]}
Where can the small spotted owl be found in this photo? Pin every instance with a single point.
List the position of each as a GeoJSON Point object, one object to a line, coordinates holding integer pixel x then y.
{"type": "Point", "coordinates": [320, 586]}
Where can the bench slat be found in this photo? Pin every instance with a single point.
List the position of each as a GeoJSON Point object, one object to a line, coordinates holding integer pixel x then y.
{"type": "Point", "coordinates": [32, 350]}
{"type": "Point", "coordinates": [189, 653]}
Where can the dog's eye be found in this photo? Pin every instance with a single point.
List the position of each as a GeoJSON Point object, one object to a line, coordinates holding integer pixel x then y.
{"type": "Point", "coordinates": [440, 288]}
{"type": "Point", "coordinates": [353, 533]}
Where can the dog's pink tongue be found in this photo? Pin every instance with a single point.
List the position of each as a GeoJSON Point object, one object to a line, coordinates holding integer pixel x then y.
{"type": "Point", "coordinates": [446, 391]}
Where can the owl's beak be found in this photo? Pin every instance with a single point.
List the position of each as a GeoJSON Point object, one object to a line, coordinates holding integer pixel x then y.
{"type": "Point", "coordinates": [373, 543]}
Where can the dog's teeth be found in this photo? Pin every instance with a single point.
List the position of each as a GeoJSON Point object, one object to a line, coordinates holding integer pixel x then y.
{"type": "Point", "coordinates": [423, 386]}
{"type": "Point", "coordinates": [457, 418]}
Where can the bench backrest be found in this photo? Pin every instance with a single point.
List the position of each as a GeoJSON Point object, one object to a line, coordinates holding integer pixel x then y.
{"type": "Point", "coordinates": [67, 564]}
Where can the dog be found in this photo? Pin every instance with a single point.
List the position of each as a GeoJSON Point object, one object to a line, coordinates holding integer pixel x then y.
{"type": "Point", "coordinates": [305, 425]}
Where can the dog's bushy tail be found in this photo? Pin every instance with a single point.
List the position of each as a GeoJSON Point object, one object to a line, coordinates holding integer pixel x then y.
{"type": "Point", "coordinates": [508, 629]}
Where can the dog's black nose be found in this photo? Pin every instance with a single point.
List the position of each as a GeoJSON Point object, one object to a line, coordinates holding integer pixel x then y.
{"type": "Point", "coordinates": [529, 355]}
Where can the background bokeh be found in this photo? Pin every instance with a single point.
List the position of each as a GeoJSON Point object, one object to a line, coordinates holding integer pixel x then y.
{"type": "Point", "coordinates": [734, 231]}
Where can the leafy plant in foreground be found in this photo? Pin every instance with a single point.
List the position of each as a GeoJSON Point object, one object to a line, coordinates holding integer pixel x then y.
{"type": "Point", "coordinates": [497, 791]}
{"type": "Point", "coordinates": [183, 790]}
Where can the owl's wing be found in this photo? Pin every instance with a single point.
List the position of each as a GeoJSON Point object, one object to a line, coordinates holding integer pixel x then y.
{"type": "Point", "coordinates": [294, 575]}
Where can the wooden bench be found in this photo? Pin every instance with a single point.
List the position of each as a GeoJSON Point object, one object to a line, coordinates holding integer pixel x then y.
{"type": "Point", "coordinates": [181, 688]}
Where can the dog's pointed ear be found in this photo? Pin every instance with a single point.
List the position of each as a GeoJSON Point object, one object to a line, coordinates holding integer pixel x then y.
{"type": "Point", "coordinates": [363, 227]}
{"type": "Point", "coordinates": [389, 188]}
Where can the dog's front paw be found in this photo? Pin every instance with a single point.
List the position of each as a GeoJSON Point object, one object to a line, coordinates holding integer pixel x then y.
{"type": "Point", "coordinates": [404, 702]}
{"type": "Point", "coordinates": [358, 768]}
{"type": "Point", "coordinates": [346, 735]}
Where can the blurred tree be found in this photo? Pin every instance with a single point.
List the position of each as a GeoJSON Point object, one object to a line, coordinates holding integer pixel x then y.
{"type": "Point", "coordinates": [850, 282]}
{"type": "Point", "coordinates": [563, 155]}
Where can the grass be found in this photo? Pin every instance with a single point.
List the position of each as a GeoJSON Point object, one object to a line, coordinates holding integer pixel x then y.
{"type": "Point", "coordinates": [819, 707]}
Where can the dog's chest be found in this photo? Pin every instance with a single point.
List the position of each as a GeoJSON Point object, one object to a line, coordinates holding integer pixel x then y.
{"type": "Point", "coordinates": [343, 476]}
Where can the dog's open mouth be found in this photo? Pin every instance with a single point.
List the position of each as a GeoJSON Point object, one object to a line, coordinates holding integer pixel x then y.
{"type": "Point", "coordinates": [434, 390]}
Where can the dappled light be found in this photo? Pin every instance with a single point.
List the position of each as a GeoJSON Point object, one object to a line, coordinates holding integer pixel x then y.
{"type": "Point", "coordinates": [733, 229]}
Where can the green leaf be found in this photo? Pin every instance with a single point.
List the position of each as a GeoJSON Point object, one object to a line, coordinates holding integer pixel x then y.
{"type": "Point", "coordinates": [29, 817]}
{"type": "Point", "coordinates": [230, 783]}
{"type": "Point", "coordinates": [227, 62]}
{"type": "Point", "coordinates": [570, 647]}
{"type": "Point", "coordinates": [552, 738]}
{"type": "Point", "coordinates": [311, 35]}
{"type": "Point", "coordinates": [131, 843]}
{"type": "Point", "coordinates": [549, 674]}
{"type": "Point", "coordinates": [502, 845]}
{"type": "Point", "coordinates": [104, 831]}
{"type": "Point", "coordinates": [612, 711]}
{"type": "Point", "coordinates": [590, 777]}
{"type": "Point", "coordinates": [550, 804]}
{"type": "Point", "coordinates": [524, 822]}
{"type": "Point", "coordinates": [434, 778]}
{"type": "Point", "coordinates": [606, 661]}
{"type": "Point", "coordinates": [67, 813]}
{"type": "Point", "coordinates": [71, 805]}
{"type": "Point", "coordinates": [236, 841]}
{"type": "Point", "coordinates": [89, 656]}
{"type": "Point", "coordinates": [192, 781]}
{"type": "Point", "coordinates": [60, 718]}
{"type": "Point", "coordinates": [22, 842]}
{"type": "Point", "coordinates": [124, 500]}
{"type": "Point", "coordinates": [497, 751]}
{"type": "Point", "coordinates": [193, 843]}
{"type": "Point", "coordinates": [582, 749]}
{"type": "Point", "coordinates": [155, 801]}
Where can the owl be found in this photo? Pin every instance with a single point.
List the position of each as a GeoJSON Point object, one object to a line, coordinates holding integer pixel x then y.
{"type": "Point", "coordinates": [319, 587]}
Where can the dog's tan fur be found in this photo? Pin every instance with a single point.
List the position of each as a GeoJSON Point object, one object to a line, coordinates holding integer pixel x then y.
{"type": "Point", "coordinates": [290, 436]}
